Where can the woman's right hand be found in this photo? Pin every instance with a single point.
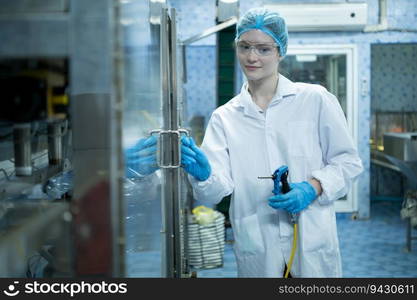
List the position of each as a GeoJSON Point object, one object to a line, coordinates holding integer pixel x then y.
{"type": "Point", "coordinates": [193, 160]}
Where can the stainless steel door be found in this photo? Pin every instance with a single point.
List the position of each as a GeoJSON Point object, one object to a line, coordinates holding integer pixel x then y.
{"type": "Point", "coordinates": [174, 190]}
{"type": "Point", "coordinates": [155, 207]}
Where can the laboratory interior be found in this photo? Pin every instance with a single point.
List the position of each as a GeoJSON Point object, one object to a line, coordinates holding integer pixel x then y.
{"type": "Point", "coordinates": [83, 82]}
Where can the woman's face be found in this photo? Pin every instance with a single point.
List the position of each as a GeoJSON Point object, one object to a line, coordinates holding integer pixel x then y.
{"type": "Point", "coordinates": [258, 55]}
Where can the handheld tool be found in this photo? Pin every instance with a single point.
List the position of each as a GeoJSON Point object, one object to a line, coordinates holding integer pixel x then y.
{"type": "Point", "coordinates": [282, 174]}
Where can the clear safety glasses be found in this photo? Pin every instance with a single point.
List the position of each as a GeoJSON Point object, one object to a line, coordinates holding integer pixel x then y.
{"type": "Point", "coordinates": [260, 49]}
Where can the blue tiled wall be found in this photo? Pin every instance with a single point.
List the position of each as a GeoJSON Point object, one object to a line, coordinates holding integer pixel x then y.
{"type": "Point", "coordinates": [402, 14]}
{"type": "Point", "coordinates": [394, 69]}
{"type": "Point", "coordinates": [201, 81]}
{"type": "Point", "coordinates": [197, 15]}
{"type": "Point", "coordinates": [193, 17]}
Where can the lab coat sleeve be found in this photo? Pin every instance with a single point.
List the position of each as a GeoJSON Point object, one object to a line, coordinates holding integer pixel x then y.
{"type": "Point", "coordinates": [220, 183]}
{"type": "Point", "coordinates": [342, 163]}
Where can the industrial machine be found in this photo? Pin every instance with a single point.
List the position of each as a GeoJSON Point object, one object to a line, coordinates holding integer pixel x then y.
{"type": "Point", "coordinates": [400, 149]}
{"type": "Point", "coordinates": [74, 96]}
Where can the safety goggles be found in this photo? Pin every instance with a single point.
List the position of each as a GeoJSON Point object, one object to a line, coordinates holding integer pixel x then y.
{"type": "Point", "coordinates": [260, 49]}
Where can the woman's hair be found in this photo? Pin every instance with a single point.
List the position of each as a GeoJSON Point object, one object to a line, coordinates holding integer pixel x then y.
{"type": "Point", "coordinates": [269, 22]}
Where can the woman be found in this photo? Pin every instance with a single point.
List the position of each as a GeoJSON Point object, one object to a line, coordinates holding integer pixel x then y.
{"type": "Point", "coordinates": [271, 123]}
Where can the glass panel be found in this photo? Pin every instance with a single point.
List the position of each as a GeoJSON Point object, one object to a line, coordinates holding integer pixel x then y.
{"type": "Point", "coordinates": [142, 113]}
{"type": "Point", "coordinates": [326, 70]}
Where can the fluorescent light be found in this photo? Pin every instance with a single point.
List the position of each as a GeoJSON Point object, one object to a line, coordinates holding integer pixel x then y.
{"type": "Point", "coordinates": [306, 58]}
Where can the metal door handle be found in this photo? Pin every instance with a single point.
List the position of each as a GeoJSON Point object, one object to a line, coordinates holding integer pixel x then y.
{"type": "Point", "coordinates": [169, 155]}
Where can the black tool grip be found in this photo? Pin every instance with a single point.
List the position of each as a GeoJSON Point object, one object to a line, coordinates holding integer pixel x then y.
{"type": "Point", "coordinates": [284, 181]}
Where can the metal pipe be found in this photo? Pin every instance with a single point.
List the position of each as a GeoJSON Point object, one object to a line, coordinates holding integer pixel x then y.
{"type": "Point", "coordinates": [55, 132]}
{"type": "Point", "coordinates": [22, 149]}
{"type": "Point", "coordinates": [210, 31]}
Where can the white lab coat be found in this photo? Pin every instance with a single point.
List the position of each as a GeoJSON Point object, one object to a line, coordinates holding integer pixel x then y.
{"type": "Point", "coordinates": [304, 128]}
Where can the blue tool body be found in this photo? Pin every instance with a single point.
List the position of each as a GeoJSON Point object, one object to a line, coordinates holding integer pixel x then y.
{"type": "Point", "coordinates": [281, 176]}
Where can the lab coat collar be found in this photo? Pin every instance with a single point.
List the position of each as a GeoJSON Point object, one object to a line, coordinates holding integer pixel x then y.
{"type": "Point", "coordinates": [285, 88]}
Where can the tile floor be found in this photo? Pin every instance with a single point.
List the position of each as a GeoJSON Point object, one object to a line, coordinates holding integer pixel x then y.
{"type": "Point", "coordinates": [369, 248]}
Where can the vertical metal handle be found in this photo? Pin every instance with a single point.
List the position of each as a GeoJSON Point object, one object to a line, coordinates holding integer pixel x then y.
{"type": "Point", "coordinates": [169, 147]}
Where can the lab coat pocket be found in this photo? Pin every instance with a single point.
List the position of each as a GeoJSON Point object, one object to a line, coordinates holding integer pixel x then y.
{"type": "Point", "coordinates": [317, 232]}
{"type": "Point", "coordinates": [248, 236]}
{"type": "Point", "coordinates": [300, 138]}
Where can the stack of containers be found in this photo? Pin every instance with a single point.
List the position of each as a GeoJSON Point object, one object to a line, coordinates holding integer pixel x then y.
{"type": "Point", "coordinates": [206, 241]}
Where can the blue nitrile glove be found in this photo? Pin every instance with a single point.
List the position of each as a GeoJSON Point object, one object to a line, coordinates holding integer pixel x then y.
{"type": "Point", "coordinates": [297, 199]}
{"type": "Point", "coordinates": [193, 160]}
{"type": "Point", "coordinates": [140, 159]}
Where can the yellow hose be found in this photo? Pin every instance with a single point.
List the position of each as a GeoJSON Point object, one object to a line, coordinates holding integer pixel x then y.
{"type": "Point", "coordinates": [294, 247]}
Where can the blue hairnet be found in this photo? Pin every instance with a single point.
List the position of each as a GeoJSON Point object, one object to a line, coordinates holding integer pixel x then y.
{"type": "Point", "coordinates": [269, 22]}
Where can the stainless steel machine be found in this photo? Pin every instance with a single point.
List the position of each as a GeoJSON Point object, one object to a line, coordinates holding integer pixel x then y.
{"type": "Point", "coordinates": [89, 79]}
{"type": "Point", "coordinates": [400, 149]}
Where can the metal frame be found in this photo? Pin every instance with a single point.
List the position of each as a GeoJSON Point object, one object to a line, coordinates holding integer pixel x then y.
{"type": "Point", "coordinates": [176, 151]}
{"type": "Point", "coordinates": [170, 171]}
{"type": "Point", "coordinates": [170, 154]}
{"type": "Point", "coordinates": [167, 247]}
{"type": "Point", "coordinates": [116, 148]}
